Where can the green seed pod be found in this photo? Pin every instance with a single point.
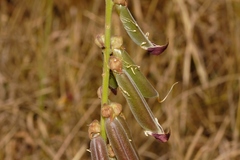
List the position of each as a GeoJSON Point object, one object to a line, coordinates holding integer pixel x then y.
{"type": "Point", "coordinates": [119, 140]}
{"type": "Point", "coordinates": [133, 70]}
{"type": "Point", "coordinates": [135, 32]}
{"type": "Point", "coordinates": [138, 105]}
{"type": "Point", "coordinates": [98, 149]}
{"type": "Point", "coordinates": [136, 102]}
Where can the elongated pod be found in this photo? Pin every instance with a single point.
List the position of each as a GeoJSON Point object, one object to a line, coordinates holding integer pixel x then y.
{"type": "Point", "coordinates": [135, 32]}
{"type": "Point", "coordinates": [133, 70]}
{"type": "Point", "coordinates": [119, 141]}
{"type": "Point", "coordinates": [138, 105]}
{"type": "Point", "coordinates": [97, 145]}
{"type": "Point", "coordinates": [98, 149]}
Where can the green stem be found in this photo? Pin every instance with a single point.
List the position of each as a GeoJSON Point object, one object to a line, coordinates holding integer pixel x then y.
{"type": "Point", "coordinates": [108, 17]}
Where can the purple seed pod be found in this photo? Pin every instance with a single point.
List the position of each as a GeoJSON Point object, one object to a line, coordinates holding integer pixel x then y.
{"type": "Point", "coordinates": [121, 120]}
{"type": "Point", "coordinates": [98, 149]}
{"type": "Point", "coordinates": [119, 140]}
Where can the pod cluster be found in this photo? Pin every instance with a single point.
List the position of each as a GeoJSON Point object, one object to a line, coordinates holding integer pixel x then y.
{"type": "Point", "coordinates": [119, 136]}
{"type": "Point", "coordinates": [127, 77]}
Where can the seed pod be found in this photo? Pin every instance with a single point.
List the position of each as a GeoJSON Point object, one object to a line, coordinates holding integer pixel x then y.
{"type": "Point", "coordinates": [138, 105]}
{"type": "Point", "coordinates": [98, 149]}
{"type": "Point", "coordinates": [119, 141]}
{"type": "Point", "coordinates": [133, 70]}
{"type": "Point", "coordinates": [121, 120]}
{"type": "Point", "coordinates": [135, 32]}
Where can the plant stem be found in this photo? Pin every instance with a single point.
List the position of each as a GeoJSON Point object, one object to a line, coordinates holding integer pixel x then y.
{"type": "Point", "coordinates": [108, 17]}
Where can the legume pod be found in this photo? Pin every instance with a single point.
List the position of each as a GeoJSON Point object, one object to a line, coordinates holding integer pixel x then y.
{"type": "Point", "coordinates": [133, 70]}
{"type": "Point", "coordinates": [135, 32]}
{"type": "Point", "coordinates": [138, 105]}
{"type": "Point", "coordinates": [98, 149]}
{"type": "Point", "coordinates": [119, 140]}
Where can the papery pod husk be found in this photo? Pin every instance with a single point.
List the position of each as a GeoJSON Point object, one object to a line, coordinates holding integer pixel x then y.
{"type": "Point", "coordinates": [142, 83]}
{"type": "Point", "coordinates": [135, 32]}
{"type": "Point", "coordinates": [98, 149]}
{"type": "Point", "coordinates": [119, 140]}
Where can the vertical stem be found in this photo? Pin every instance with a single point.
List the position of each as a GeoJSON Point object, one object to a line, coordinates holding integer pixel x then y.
{"type": "Point", "coordinates": [47, 6]}
{"type": "Point", "coordinates": [108, 17]}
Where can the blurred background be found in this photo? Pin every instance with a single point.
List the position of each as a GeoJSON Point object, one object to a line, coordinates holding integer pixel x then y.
{"type": "Point", "coordinates": [50, 70]}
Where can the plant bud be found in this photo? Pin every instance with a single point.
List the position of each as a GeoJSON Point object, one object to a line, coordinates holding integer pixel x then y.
{"type": "Point", "coordinates": [115, 64]}
{"type": "Point", "coordinates": [117, 108]}
{"type": "Point", "coordinates": [98, 149]}
{"type": "Point", "coordinates": [116, 42]}
{"type": "Point", "coordinates": [94, 129]}
{"type": "Point", "coordinates": [100, 40]}
{"type": "Point", "coordinates": [99, 92]}
{"type": "Point", "coordinates": [107, 111]}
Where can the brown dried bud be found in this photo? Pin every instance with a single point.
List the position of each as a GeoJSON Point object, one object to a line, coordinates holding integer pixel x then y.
{"type": "Point", "coordinates": [116, 42]}
{"type": "Point", "coordinates": [94, 129]}
{"type": "Point", "coordinates": [99, 92]}
{"type": "Point", "coordinates": [107, 111]}
{"type": "Point", "coordinates": [115, 64]}
{"type": "Point", "coordinates": [117, 108]}
{"type": "Point", "coordinates": [100, 40]}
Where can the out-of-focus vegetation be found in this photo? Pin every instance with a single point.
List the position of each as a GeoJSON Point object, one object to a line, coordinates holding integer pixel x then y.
{"type": "Point", "coordinates": [50, 70]}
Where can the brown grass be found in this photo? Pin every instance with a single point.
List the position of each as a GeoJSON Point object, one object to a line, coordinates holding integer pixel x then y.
{"type": "Point", "coordinates": [50, 70]}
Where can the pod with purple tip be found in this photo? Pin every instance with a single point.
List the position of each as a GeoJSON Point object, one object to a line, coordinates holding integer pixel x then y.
{"type": "Point", "coordinates": [135, 32]}
{"type": "Point", "coordinates": [138, 105]}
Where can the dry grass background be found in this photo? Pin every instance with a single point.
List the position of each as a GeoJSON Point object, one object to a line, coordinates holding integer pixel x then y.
{"type": "Point", "coordinates": [50, 70]}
